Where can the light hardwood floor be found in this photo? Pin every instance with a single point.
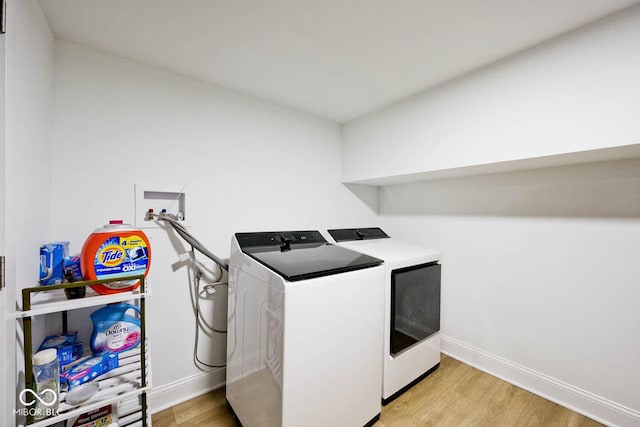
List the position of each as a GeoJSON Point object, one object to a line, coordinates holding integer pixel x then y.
{"type": "Point", "coordinates": [454, 395]}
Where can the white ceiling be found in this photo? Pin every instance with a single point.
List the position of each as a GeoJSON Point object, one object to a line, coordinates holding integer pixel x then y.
{"type": "Point", "coordinates": [335, 59]}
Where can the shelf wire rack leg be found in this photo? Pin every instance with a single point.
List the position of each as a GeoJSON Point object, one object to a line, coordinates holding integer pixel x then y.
{"type": "Point", "coordinates": [28, 348]}
{"type": "Point", "coordinates": [143, 351]}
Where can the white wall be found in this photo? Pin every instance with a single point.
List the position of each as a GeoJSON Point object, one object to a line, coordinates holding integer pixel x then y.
{"type": "Point", "coordinates": [578, 92]}
{"type": "Point", "coordinates": [540, 268]}
{"type": "Point", "coordinates": [246, 165]}
{"type": "Point", "coordinates": [28, 145]}
{"type": "Point", "coordinates": [29, 65]}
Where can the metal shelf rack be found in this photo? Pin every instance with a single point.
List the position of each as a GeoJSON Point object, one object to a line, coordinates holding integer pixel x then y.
{"type": "Point", "coordinates": [126, 382]}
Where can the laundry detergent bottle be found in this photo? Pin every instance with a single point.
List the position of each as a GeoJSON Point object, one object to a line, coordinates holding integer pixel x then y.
{"type": "Point", "coordinates": [114, 251]}
{"type": "Point", "coordinates": [113, 329]}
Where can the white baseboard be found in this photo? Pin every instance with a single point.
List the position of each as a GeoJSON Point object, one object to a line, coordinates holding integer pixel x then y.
{"type": "Point", "coordinates": [574, 398]}
{"type": "Point", "coordinates": [168, 395]}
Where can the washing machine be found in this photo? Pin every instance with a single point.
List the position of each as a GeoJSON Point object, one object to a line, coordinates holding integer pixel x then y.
{"type": "Point", "coordinates": [412, 306]}
{"type": "Point", "coordinates": [305, 331]}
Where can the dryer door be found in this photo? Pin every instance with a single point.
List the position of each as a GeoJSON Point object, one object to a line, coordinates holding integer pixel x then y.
{"type": "Point", "coordinates": [415, 305]}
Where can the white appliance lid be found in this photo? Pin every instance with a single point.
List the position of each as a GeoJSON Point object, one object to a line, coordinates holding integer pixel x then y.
{"type": "Point", "coordinates": [301, 255]}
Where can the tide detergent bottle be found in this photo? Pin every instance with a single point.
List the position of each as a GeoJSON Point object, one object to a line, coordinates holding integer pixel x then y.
{"type": "Point", "coordinates": [113, 329]}
{"type": "Point", "coordinates": [114, 251]}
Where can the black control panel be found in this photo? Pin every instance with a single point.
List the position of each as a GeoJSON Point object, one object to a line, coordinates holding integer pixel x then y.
{"type": "Point", "coordinates": [278, 238]}
{"type": "Point", "coordinates": [349, 234]}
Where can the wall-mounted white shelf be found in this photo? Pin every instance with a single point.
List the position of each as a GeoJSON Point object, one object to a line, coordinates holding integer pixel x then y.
{"type": "Point", "coordinates": [564, 159]}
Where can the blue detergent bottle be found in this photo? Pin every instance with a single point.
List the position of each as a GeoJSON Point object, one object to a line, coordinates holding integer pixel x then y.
{"type": "Point", "coordinates": [113, 329]}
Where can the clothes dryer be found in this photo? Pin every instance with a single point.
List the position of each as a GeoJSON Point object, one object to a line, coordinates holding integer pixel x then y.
{"type": "Point", "coordinates": [411, 348]}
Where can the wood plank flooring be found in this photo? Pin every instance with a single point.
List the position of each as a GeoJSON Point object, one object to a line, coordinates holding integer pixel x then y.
{"type": "Point", "coordinates": [454, 395]}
